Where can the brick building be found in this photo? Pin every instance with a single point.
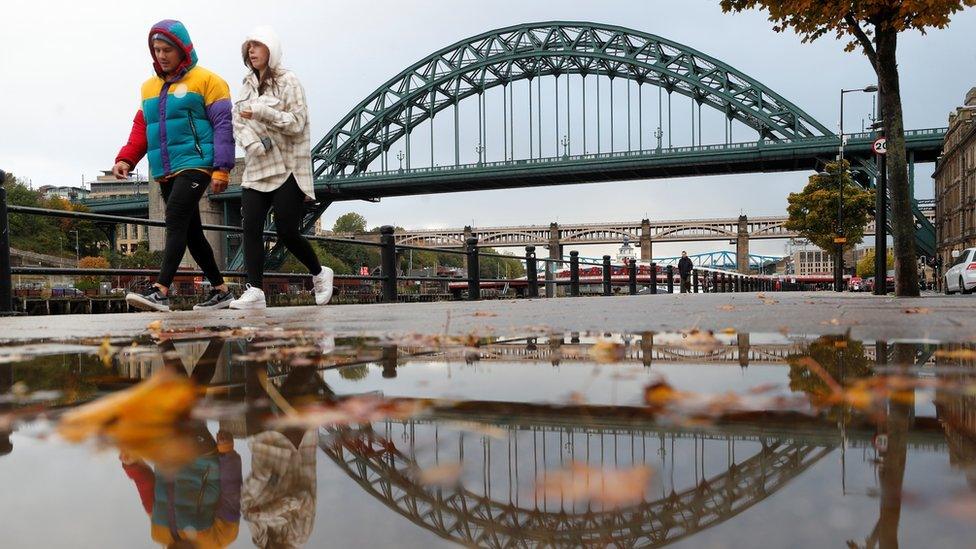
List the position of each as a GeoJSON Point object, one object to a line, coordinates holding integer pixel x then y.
{"type": "Point", "coordinates": [955, 183]}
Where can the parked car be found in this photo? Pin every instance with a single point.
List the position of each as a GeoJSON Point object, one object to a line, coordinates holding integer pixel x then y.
{"type": "Point", "coordinates": [856, 284]}
{"type": "Point", "coordinates": [961, 274]}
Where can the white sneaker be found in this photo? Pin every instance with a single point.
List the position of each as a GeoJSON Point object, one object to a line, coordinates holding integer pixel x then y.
{"type": "Point", "coordinates": [252, 298]}
{"type": "Point", "coordinates": [322, 284]}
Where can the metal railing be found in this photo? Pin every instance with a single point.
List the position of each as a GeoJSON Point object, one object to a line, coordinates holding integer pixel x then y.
{"type": "Point", "coordinates": [470, 287]}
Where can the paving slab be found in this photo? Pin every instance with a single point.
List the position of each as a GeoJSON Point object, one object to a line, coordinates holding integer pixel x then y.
{"type": "Point", "coordinates": [932, 317]}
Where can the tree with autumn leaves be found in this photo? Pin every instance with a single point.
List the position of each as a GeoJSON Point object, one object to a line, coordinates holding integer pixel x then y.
{"type": "Point", "coordinates": [873, 26]}
{"type": "Point", "coordinates": [813, 211]}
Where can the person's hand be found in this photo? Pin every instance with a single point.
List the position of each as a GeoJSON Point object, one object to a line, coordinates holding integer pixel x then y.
{"type": "Point", "coordinates": [225, 441]}
{"type": "Point", "coordinates": [121, 170]}
{"type": "Point", "coordinates": [218, 186]}
{"type": "Point", "coordinates": [247, 114]}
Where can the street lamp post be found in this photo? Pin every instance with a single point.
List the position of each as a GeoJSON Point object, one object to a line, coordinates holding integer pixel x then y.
{"type": "Point", "coordinates": [480, 149]}
{"type": "Point", "coordinates": [565, 144]}
{"type": "Point", "coordinates": [400, 156]}
{"type": "Point", "coordinates": [77, 247]}
{"type": "Point", "coordinates": [840, 240]}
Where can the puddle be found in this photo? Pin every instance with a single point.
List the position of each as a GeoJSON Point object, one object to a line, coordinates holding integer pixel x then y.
{"type": "Point", "coordinates": [239, 437]}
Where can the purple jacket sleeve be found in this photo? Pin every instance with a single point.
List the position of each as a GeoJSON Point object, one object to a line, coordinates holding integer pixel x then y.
{"type": "Point", "coordinates": [219, 113]}
{"type": "Point", "coordinates": [222, 122]}
{"type": "Point", "coordinates": [229, 508]}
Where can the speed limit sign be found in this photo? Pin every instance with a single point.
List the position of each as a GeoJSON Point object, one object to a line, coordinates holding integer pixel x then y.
{"type": "Point", "coordinates": [880, 145]}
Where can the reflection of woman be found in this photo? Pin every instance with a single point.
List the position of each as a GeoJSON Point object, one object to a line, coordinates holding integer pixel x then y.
{"type": "Point", "coordinates": [278, 499]}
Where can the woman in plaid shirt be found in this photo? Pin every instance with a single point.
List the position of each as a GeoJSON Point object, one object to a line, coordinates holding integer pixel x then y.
{"type": "Point", "coordinates": [271, 125]}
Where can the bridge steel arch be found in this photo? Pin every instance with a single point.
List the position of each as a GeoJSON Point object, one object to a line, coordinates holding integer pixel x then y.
{"type": "Point", "coordinates": [473, 519]}
{"type": "Point", "coordinates": [499, 57]}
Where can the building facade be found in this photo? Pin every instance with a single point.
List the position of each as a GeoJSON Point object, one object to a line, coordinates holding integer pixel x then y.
{"type": "Point", "coordinates": [127, 236]}
{"type": "Point", "coordinates": [955, 183]}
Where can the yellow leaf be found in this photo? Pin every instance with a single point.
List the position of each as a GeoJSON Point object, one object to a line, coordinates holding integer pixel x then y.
{"type": "Point", "coordinates": [605, 351]}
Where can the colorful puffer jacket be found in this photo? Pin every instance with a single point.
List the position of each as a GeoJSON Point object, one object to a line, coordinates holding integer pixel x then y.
{"type": "Point", "coordinates": [185, 120]}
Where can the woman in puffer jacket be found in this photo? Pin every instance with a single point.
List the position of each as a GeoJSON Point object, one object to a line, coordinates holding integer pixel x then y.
{"type": "Point", "coordinates": [271, 125]}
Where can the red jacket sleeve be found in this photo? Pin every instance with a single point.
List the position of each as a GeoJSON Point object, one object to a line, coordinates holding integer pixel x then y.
{"type": "Point", "coordinates": [145, 481]}
{"type": "Point", "coordinates": [135, 149]}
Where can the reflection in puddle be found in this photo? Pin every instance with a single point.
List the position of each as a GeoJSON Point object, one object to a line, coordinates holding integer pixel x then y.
{"type": "Point", "coordinates": [551, 439]}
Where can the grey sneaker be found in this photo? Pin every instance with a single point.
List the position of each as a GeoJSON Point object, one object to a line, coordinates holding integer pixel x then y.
{"type": "Point", "coordinates": [217, 300]}
{"type": "Point", "coordinates": [149, 300]}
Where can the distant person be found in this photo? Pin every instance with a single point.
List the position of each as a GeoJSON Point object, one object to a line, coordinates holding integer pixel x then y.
{"type": "Point", "coordinates": [685, 267]}
{"type": "Point", "coordinates": [184, 124]}
{"type": "Point", "coordinates": [271, 125]}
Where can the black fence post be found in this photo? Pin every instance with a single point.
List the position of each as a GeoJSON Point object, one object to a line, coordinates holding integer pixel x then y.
{"type": "Point", "coordinates": [574, 274]}
{"type": "Point", "coordinates": [738, 284]}
{"type": "Point", "coordinates": [6, 284]}
{"type": "Point", "coordinates": [607, 290]}
{"type": "Point", "coordinates": [670, 273]}
{"type": "Point", "coordinates": [531, 271]}
{"type": "Point", "coordinates": [694, 280]}
{"type": "Point", "coordinates": [714, 282]}
{"type": "Point", "coordinates": [632, 276]}
{"type": "Point", "coordinates": [388, 266]}
{"type": "Point", "coordinates": [653, 278]}
{"type": "Point", "coordinates": [474, 270]}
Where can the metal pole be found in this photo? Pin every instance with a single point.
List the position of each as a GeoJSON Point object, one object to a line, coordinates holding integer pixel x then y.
{"type": "Point", "coordinates": [606, 275]}
{"type": "Point", "coordinates": [632, 276]}
{"type": "Point", "coordinates": [839, 261]}
{"type": "Point", "coordinates": [457, 136]}
{"type": "Point", "coordinates": [670, 143]}
{"type": "Point", "coordinates": [881, 221]}
{"type": "Point", "coordinates": [640, 115]}
{"type": "Point", "coordinates": [531, 126]}
{"type": "Point", "coordinates": [694, 278]}
{"type": "Point", "coordinates": [611, 115]}
{"type": "Point", "coordinates": [556, 117]}
{"type": "Point", "coordinates": [714, 282]}
{"type": "Point", "coordinates": [653, 278]}
{"type": "Point", "coordinates": [629, 116]}
{"type": "Point", "coordinates": [599, 130]}
{"type": "Point", "coordinates": [388, 264]}
{"type": "Point", "coordinates": [6, 284]}
{"type": "Point", "coordinates": [531, 271]}
{"type": "Point", "coordinates": [433, 98]}
{"type": "Point", "coordinates": [409, 116]}
{"type": "Point", "coordinates": [584, 113]}
{"type": "Point", "coordinates": [670, 272]}
{"type": "Point", "coordinates": [574, 290]}
{"type": "Point", "coordinates": [569, 121]}
{"type": "Point", "coordinates": [474, 272]}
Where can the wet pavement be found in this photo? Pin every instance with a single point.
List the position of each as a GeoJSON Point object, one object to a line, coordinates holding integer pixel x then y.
{"type": "Point", "coordinates": [283, 430]}
{"type": "Point", "coordinates": [863, 315]}
{"type": "Point", "coordinates": [280, 436]}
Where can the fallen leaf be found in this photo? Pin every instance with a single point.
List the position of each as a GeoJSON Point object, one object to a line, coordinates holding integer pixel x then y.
{"type": "Point", "coordinates": [106, 351]}
{"type": "Point", "coordinates": [605, 351]}
{"type": "Point", "coordinates": [727, 307]}
{"type": "Point", "coordinates": [155, 326]}
{"type": "Point", "coordinates": [352, 411]}
{"type": "Point", "coordinates": [727, 331]}
{"type": "Point", "coordinates": [699, 340]}
{"type": "Point", "coordinates": [660, 394]}
{"type": "Point", "coordinates": [445, 475]}
{"type": "Point", "coordinates": [918, 311]}
{"type": "Point", "coordinates": [484, 313]}
{"type": "Point", "coordinates": [142, 420]}
{"type": "Point", "coordinates": [609, 487]}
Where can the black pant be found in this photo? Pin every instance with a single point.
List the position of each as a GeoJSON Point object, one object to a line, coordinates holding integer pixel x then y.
{"type": "Point", "coordinates": [686, 283]}
{"type": "Point", "coordinates": [289, 208]}
{"type": "Point", "coordinates": [182, 195]}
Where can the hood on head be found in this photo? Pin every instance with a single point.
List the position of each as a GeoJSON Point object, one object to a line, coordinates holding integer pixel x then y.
{"type": "Point", "coordinates": [176, 32]}
{"type": "Point", "coordinates": [268, 37]}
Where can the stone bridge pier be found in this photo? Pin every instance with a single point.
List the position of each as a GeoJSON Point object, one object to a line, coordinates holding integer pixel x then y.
{"type": "Point", "coordinates": [742, 246]}
{"type": "Point", "coordinates": [645, 241]}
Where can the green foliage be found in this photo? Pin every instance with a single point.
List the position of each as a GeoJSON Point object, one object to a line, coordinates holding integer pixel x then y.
{"type": "Point", "coordinates": [865, 267]}
{"type": "Point", "coordinates": [813, 211]}
{"type": "Point", "coordinates": [49, 235]}
{"type": "Point", "coordinates": [354, 373]}
{"type": "Point", "coordinates": [351, 222]}
{"type": "Point", "coordinates": [141, 258]}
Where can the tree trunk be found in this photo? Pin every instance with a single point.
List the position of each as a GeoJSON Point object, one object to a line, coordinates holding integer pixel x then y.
{"type": "Point", "coordinates": [902, 221]}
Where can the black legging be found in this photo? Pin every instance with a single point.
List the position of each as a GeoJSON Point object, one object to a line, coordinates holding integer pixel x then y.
{"type": "Point", "coordinates": [183, 228]}
{"type": "Point", "coordinates": [289, 205]}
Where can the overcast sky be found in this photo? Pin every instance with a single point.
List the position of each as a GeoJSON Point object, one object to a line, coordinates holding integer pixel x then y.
{"type": "Point", "coordinates": [72, 71]}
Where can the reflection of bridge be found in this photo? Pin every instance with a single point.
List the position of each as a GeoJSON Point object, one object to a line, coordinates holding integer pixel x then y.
{"type": "Point", "coordinates": [497, 511]}
{"type": "Point", "coordinates": [563, 103]}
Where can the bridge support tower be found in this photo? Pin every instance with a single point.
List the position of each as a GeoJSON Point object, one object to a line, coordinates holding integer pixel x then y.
{"type": "Point", "coordinates": [742, 246]}
{"type": "Point", "coordinates": [645, 241]}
